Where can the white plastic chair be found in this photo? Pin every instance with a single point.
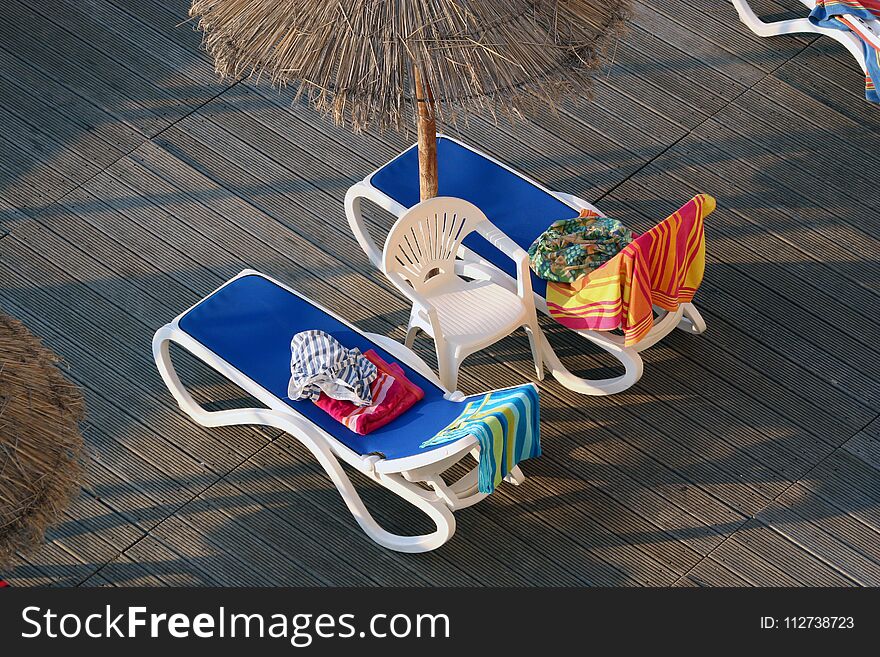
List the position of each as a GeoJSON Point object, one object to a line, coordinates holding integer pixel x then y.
{"type": "Point", "coordinates": [462, 316]}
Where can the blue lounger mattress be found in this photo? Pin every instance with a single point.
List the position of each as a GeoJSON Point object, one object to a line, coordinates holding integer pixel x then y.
{"type": "Point", "coordinates": [516, 206]}
{"type": "Point", "coordinates": [249, 323]}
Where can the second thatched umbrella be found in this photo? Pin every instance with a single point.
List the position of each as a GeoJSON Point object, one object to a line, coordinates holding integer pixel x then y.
{"type": "Point", "coordinates": [41, 447]}
{"type": "Point", "coordinates": [366, 61]}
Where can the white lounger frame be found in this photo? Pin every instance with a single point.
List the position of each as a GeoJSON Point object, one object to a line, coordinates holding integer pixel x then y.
{"type": "Point", "coordinates": [687, 317]}
{"type": "Point", "coordinates": [401, 476]}
{"type": "Point", "coordinates": [803, 25]}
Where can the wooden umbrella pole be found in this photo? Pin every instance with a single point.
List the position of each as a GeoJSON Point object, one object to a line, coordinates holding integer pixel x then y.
{"type": "Point", "coordinates": [427, 137]}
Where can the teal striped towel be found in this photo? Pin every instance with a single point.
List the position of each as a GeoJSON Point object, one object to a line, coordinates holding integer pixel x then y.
{"type": "Point", "coordinates": [506, 423]}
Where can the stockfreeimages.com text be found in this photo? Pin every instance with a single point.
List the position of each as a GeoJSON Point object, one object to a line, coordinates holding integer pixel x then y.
{"type": "Point", "coordinates": [300, 629]}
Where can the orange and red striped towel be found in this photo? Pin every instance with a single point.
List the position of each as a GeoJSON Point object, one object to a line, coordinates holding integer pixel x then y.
{"type": "Point", "coordinates": [662, 267]}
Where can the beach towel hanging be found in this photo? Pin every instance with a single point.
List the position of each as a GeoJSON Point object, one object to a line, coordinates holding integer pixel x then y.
{"type": "Point", "coordinates": [662, 267]}
{"type": "Point", "coordinates": [506, 424]}
{"type": "Point", "coordinates": [571, 248]}
{"type": "Point", "coordinates": [838, 15]}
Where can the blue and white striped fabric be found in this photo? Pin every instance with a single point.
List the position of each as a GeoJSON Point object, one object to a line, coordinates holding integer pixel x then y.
{"type": "Point", "coordinates": [507, 425]}
{"type": "Point", "coordinates": [319, 363]}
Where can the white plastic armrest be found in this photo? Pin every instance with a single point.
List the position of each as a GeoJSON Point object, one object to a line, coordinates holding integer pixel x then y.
{"type": "Point", "coordinates": [514, 251]}
{"type": "Point", "coordinates": [475, 270]}
{"type": "Point", "coordinates": [419, 302]}
{"type": "Point", "coordinates": [353, 212]}
{"type": "Point", "coordinates": [578, 202]}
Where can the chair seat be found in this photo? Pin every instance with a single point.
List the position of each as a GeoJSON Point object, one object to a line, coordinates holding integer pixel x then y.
{"type": "Point", "coordinates": [469, 311]}
{"type": "Point", "coordinates": [249, 324]}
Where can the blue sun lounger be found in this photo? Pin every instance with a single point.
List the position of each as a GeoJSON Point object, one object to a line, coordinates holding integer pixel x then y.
{"type": "Point", "coordinates": [522, 209]}
{"type": "Point", "coordinates": [243, 331]}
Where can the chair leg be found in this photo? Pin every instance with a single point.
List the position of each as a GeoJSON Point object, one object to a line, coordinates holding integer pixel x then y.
{"type": "Point", "coordinates": [534, 344]}
{"type": "Point", "coordinates": [411, 333]}
{"type": "Point", "coordinates": [447, 365]}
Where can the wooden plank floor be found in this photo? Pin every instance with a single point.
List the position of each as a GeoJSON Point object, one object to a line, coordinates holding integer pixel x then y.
{"type": "Point", "coordinates": [133, 182]}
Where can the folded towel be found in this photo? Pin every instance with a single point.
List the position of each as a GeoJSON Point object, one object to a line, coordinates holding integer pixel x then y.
{"type": "Point", "coordinates": [506, 423]}
{"type": "Point", "coordinates": [834, 14]}
{"type": "Point", "coordinates": [662, 267]}
{"type": "Point", "coordinates": [393, 394]}
{"type": "Point", "coordinates": [319, 363]}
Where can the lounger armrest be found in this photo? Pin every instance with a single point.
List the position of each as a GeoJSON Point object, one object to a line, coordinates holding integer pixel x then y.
{"type": "Point", "coordinates": [496, 237]}
{"type": "Point", "coordinates": [578, 202]}
{"type": "Point", "coordinates": [866, 30]}
{"type": "Point", "coordinates": [419, 302]}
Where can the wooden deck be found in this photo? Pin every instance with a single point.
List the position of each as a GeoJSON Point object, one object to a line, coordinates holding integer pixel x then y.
{"type": "Point", "coordinates": [132, 183]}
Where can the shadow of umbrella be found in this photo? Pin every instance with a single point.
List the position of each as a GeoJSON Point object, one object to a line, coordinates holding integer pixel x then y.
{"type": "Point", "coordinates": [41, 447]}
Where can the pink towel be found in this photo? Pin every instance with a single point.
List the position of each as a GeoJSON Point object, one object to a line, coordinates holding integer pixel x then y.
{"type": "Point", "coordinates": [393, 395]}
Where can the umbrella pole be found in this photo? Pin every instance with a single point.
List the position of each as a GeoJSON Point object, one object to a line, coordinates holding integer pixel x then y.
{"type": "Point", "coordinates": [427, 124]}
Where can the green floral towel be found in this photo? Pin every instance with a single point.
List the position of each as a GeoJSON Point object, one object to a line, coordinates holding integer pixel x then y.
{"type": "Point", "coordinates": [571, 248]}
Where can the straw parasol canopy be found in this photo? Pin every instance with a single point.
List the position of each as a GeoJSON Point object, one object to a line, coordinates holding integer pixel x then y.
{"type": "Point", "coordinates": [365, 61]}
{"type": "Point", "coordinates": [41, 448]}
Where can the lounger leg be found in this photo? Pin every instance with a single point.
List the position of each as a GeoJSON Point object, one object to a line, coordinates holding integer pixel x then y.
{"type": "Point", "coordinates": [628, 357]}
{"type": "Point", "coordinates": [692, 321]}
{"type": "Point", "coordinates": [515, 476]}
{"type": "Point", "coordinates": [466, 491]}
{"type": "Point", "coordinates": [428, 502]}
{"type": "Point", "coordinates": [467, 487]}
{"type": "Point", "coordinates": [664, 324]}
{"type": "Point", "coordinates": [460, 495]}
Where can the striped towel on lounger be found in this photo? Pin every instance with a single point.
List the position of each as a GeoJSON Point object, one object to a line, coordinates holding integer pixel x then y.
{"type": "Point", "coordinates": [506, 423]}
{"type": "Point", "coordinates": [662, 267]}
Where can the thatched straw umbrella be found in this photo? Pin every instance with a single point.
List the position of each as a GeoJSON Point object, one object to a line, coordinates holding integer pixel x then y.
{"type": "Point", "coordinates": [364, 61]}
{"type": "Point", "coordinates": [41, 447]}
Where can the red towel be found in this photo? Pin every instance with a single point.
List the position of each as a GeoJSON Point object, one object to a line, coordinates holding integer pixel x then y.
{"type": "Point", "coordinates": [393, 395]}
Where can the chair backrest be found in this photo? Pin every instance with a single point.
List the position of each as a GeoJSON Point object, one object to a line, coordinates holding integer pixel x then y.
{"type": "Point", "coordinates": [423, 243]}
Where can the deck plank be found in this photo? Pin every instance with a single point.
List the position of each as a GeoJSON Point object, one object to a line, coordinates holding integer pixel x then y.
{"type": "Point", "coordinates": [710, 572]}
{"type": "Point", "coordinates": [44, 45]}
{"type": "Point", "coordinates": [866, 444]}
{"type": "Point", "coordinates": [123, 571]}
{"type": "Point", "coordinates": [788, 556]}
